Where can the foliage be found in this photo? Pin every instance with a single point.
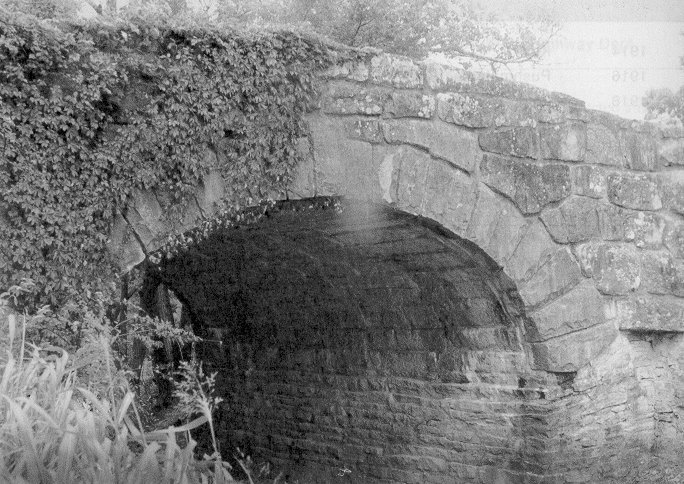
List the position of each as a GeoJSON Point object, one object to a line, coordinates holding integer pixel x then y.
{"type": "Point", "coordinates": [419, 28]}
{"type": "Point", "coordinates": [665, 105]}
{"type": "Point", "coordinates": [659, 102]}
{"type": "Point", "coordinates": [53, 428]}
{"type": "Point", "coordinates": [90, 114]}
{"type": "Point", "coordinates": [44, 9]}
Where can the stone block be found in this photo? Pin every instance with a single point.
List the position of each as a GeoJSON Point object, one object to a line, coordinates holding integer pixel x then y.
{"type": "Point", "coordinates": [529, 185]}
{"type": "Point", "coordinates": [646, 229]}
{"type": "Point", "coordinates": [615, 268]}
{"type": "Point", "coordinates": [639, 150]}
{"type": "Point", "coordinates": [534, 249]}
{"type": "Point", "coordinates": [412, 170]}
{"type": "Point", "coordinates": [519, 141]}
{"type": "Point", "coordinates": [344, 98]}
{"type": "Point", "coordinates": [651, 313]}
{"type": "Point", "coordinates": [210, 193]}
{"type": "Point", "coordinates": [673, 238]}
{"type": "Point", "coordinates": [641, 192]}
{"type": "Point", "coordinates": [471, 111]}
{"type": "Point", "coordinates": [581, 308]}
{"type": "Point", "coordinates": [442, 140]}
{"type": "Point", "coordinates": [557, 275]}
{"type": "Point", "coordinates": [478, 111]}
{"type": "Point", "coordinates": [364, 129]}
{"type": "Point", "coordinates": [355, 71]}
{"type": "Point", "coordinates": [612, 222]}
{"type": "Point", "coordinates": [671, 151]}
{"type": "Point", "coordinates": [658, 273]}
{"type": "Point", "coordinates": [603, 146]}
{"type": "Point", "coordinates": [446, 78]}
{"type": "Point", "coordinates": [496, 225]}
{"type": "Point", "coordinates": [449, 197]}
{"type": "Point", "coordinates": [567, 142]}
{"type": "Point", "coordinates": [145, 217]}
{"type": "Point", "coordinates": [571, 352]}
{"type": "Point", "coordinates": [673, 190]}
{"type": "Point", "coordinates": [344, 166]}
{"type": "Point", "coordinates": [410, 104]}
{"type": "Point", "coordinates": [397, 71]}
{"type": "Point", "coordinates": [575, 220]}
{"type": "Point", "coordinates": [589, 181]}
{"type": "Point", "coordinates": [123, 245]}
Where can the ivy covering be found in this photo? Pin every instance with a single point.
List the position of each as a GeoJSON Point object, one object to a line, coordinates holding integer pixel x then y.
{"type": "Point", "coordinates": [89, 114]}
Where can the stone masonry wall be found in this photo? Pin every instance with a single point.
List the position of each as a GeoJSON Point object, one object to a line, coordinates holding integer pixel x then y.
{"type": "Point", "coordinates": [584, 212]}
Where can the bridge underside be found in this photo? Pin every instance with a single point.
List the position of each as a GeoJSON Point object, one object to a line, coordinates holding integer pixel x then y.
{"type": "Point", "coordinates": [359, 343]}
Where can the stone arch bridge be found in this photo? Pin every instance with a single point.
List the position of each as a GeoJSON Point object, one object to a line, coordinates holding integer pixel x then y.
{"type": "Point", "coordinates": [497, 297]}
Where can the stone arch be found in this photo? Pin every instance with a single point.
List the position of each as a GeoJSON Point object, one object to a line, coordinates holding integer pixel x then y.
{"type": "Point", "coordinates": [355, 334]}
{"type": "Point", "coordinates": [582, 211]}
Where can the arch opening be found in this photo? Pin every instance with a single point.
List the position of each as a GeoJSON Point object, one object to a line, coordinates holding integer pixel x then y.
{"type": "Point", "coordinates": [354, 336]}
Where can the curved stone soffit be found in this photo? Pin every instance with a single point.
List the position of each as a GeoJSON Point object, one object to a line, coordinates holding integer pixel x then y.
{"type": "Point", "coordinates": [582, 209]}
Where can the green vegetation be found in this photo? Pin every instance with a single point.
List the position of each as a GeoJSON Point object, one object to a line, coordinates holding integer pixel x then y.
{"type": "Point", "coordinates": [665, 104]}
{"type": "Point", "coordinates": [74, 418]}
{"type": "Point", "coordinates": [89, 114]}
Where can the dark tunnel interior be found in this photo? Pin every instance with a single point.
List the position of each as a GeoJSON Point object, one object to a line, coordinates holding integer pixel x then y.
{"type": "Point", "coordinates": [352, 334]}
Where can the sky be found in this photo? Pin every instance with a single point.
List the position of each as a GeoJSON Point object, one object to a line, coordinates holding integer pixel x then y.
{"type": "Point", "coordinates": [608, 53]}
{"type": "Point", "coordinates": [611, 64]}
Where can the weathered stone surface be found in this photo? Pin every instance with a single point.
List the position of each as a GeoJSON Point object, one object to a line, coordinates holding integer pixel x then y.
{"type": "Point", "coordinates": [530, 186]}
{"type": "Point", "coordinates": [449, 197]}
{"type": "Point", "coordinates": [650, 313]}
{"type": "Point", "coordinates": [615, 268]}
{"type": "Point", "coordinates": [411, 166]}
{"type": "Point", "coordinates": [640, 150]}
{"type": "Point", "coordinates": [397, 71]}
{"type": "Point", "coordinates": [578, 309]}
{"type": "Point", "coordinates": [589, 181]}
{"type": "Point", "coordinates": [640, 192]}
{"type": "Point", "coordinates": [496, 225]}
{"type": "Point", "coordinates": [123, 245]}
{"type": "Point", "coordinates": [344, 98]}
{"type": "Point", "coordinates": [613, 222]}
{"type": "Point", "coordinates": [567, 142]}
{"type": "Point", "coordinates": [557, 275]}
{"type": "Point", "coordinates": [443, 140]}
{"type": "Point", "coordinates": [356, 71]}
{"type": "Point", "coordinates": [575, 220]}
{"type": "Point", "coordinates": [671, 151]}
{"type": "Point", "coordinates": [464, 110]}
{"type": "Point", "coordinates": [673, 190]}
{"type": "Point", "coordinates": [520, 141]}
{"type": "Point", "coordinates": [479, 111]}
{"type": "Point", "coordinates": [364, 129]}
{"type": "Point", "coordinates": [410, 104]}
{"type": "Point", "coordinates": [659, 274]}
{"type": "Point", "coordinates": [603, 146]}
{"type": "Point", "coordinates": [343, 166]}
{"type": "Point", "coordinates": [441, 77]}
{"type": "Point", "coordinates": [646, 229]}
{"type": "Point", "coordinates": [673, 238]}
{"type": "Point", "coordinates": [534, 249]}
{"type": "Point", "coordinates": [145, 216]}
{"type": "Point", "coordinates": [569, 353]}
{"type": "Point", "coordinates": [210, 192]}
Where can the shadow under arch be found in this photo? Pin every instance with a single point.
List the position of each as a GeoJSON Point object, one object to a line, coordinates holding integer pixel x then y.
{"type": "Point", "coordinates": [352, 336]}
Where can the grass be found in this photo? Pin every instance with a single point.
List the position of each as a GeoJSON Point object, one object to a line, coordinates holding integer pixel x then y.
{"type": "Point", "coordinates": [56, 426]}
